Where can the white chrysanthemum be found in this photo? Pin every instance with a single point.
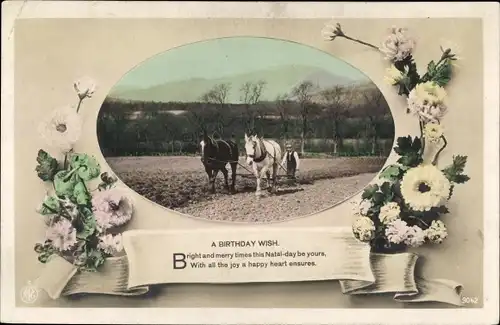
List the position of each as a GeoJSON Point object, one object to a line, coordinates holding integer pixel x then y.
{"type": "Point", "coordinates": [364, 206]}
{"type": "Point", "coordinates": [425, 187]}
{"type": "Point", "coordinates": [455, 49]}
{"type": "Point", "coordinates": [389, 212]}
{"type": "Point", "coordinates": [426, 101]}
{"type": "Point", "coordinates": [415, 236]}
{"type": "Point", "coordinates": [394, 76]}
{"type": "Point", "coordinates": [328, 32]}
{"type": "Point", "coordinates": [363, 229]}
{"type": "Point", "coordinates": [84, 87]}
{"type": "Point", "coordinates": [111, 244]}
{"type": "Point", "coordinates": [397, 46]}
{"type": "Point", "coordinates": [436, 233]}
{"type": "Point", "coordinates": [396, 231]}
{"type": "Point", "coordinates": [433, 132]}
{"type": "Point", "coordinates": [61, 128]}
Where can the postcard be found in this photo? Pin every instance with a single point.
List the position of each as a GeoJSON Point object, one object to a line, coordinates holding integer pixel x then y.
{"type": "Point", "coordinates": [249, 163]}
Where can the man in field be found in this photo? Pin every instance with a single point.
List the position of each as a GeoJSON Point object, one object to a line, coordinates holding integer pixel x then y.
{"type": "Point", "coordinates": [291, 161]}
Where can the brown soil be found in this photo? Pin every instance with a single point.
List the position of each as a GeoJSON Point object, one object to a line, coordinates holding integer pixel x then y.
{"type": "Point", "coordinates": [180, 183]}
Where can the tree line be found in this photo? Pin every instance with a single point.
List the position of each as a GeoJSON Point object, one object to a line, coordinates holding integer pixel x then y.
{"type": "Point", "coordinates": [305, 113]}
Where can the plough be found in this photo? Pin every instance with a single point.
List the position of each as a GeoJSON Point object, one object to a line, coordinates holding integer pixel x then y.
{"type": "Point", "coordinates": [250, 173]}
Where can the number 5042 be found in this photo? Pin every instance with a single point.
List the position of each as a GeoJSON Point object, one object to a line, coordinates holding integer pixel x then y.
{"type": "Point", "coordinates": [470, 300]}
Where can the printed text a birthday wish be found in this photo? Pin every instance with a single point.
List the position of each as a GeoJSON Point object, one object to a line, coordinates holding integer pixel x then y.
{"type": "Point", "coordinates": [245, 243]}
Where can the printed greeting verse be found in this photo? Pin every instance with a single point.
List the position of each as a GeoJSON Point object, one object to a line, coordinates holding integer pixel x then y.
{"type": "Point", "coordinates": [256, 254]}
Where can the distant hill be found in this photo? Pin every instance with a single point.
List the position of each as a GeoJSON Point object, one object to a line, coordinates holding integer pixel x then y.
{"type": "Point", "coordinates": [279, 80]}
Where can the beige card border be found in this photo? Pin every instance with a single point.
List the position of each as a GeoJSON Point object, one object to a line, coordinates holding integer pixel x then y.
{"type": "Point", "coordinates": [489, 12]}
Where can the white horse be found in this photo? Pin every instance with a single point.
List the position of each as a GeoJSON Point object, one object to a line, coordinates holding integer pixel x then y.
{"type": "Point", "coordinates": [262, 155]}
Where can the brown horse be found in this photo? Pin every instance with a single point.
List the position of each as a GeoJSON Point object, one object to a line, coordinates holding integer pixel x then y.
{"type": "Point", "coordinates": [215, 155]}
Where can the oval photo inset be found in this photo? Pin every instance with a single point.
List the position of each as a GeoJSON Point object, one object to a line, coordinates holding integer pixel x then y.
{"type": "Point", "coordinates": [245, 129]}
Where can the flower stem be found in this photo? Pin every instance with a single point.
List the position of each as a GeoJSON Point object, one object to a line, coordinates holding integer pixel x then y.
{"type": "Point", "coordinates": [434, 161]}
{"type": "Point", "coordinates": [420, 220]}
{"type": "Point", "coordinates": [49, 208]}
{"type": "Point", "coordinates": [426, 75]}
{"type": "Point", "coordinates": [422, 138]}
{"type": "Point", "coordinates": [359, 41]}
{"type": "Point", "coordinates": [79, 104]}
{"type": "Point", "coordinates": [86, 188]}
{"type": "Point", "coordinates": [71, 172]}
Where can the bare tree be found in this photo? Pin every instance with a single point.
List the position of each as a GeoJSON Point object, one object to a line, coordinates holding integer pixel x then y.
{"type": "Point", "coordinates": [251, 93]}
{"type": "Point", "coordinates": [303, 94]}
{"type": "Point", "coordinates": [377, 108]}
{"type": "Point", "coordinates": [218, 96]}
{"type": "Point", "coordinates": [284, 106]}
{"type": "Point", "coordinates": [338, 101]}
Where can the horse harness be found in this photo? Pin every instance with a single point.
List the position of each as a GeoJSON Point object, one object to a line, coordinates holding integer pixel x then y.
{"type": "Point", "coordinates": [263, 154]}
{"type": "Point", "coordinates": [216, 144]}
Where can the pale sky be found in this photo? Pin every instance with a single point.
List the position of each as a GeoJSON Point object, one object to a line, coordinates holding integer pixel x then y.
{"type": "Point", "coordinates": [229, 56]}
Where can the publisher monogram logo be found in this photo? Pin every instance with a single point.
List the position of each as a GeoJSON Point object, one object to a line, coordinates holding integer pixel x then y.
{"type": "Point", "coordinates": [29, 293]}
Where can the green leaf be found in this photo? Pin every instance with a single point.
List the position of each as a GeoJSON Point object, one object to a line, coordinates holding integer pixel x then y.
{"type": "Point", "coordinates": [86, 226]}
{"type": "Point", "coordinates": [47, 166]}
{"type": "Point", "coordinates": [369, 191]}
{"type": "Point", "coordinates": [38, 247]}
{"type": "Point", "coordinates": [417, 145]}
{"type": "Point", "coordinates": [86, 212]}
{"type": "Point", "coordinates": [45, 251]}
{"type": "Point", "coordinates": [386, 188]}
{"type": "Point", "coordinates": [409, 150]}
{"type": "Point", "coordinates": [454, 172]}
{"type": "Point", "coordinates": [391, 172]}
{"type": "Point", "coordinates": [81, 194]}
{"type": "Point", "coordinates": [87, 166]}
{"type": "Point", "coordinates": [459, 163]}
{"type": "Point", "coordinates": [107, 181]}
{"type": "Point", "coordinates": [442, 209]}
{"type": "Point", "coordinates": [412, 75]}
{"type": "Point", "coordinates": [410, 160]}
{"type": "Point", "coordinates": [404, 168]}
{"type": "Point", "coordinates": [431, 68]}
{"type": "Point", "coordinates": [442, 74]}
{"type": "Point", "coordinates": [50, 205]}
{"type": "Point", "coordinates": [378, 197]}
{"type": "Point", "coordinates": [404, 145]}
{"type": "Point", "coordinates": [98, 258]}
{"type": "Point", "coordinates": [460, 179]}
{"type": "Point", "coordinates": [91, 260]}
{"type": "Point", "coordinates": [451, 191]}
{"type": "Point", "coordinates": [64, 183]}
{"type": "Point", "coordinates": [87, 231]}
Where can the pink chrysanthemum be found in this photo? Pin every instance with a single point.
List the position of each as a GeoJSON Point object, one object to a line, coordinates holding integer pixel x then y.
{"type": "Point", "coordinates": [62, 235]}
{"type": "Point", "coordinates": [396, 231]}
{"type": "Point", "coordinates": [112, 208]}
{"type": "Point", "coordinates": [415, 236]}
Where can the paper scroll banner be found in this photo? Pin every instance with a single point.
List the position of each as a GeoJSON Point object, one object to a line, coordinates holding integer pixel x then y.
{"type": "Point", "coordinates": [244, 256]}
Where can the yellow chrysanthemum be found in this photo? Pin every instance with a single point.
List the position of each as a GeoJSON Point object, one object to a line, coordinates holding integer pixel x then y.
{"type": "Point", "coordinates": [433, 132]}
{"type": "Point", "coordinates": [393, 75]}
{"type": "Point", "coordinates": [389, 212]}
{"type": "Point", "coordinates": [430, 93]}
{"type": "Point", "coordinates": [363, 229]}
{"type": "Point", "coordinates": [425, 187]}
